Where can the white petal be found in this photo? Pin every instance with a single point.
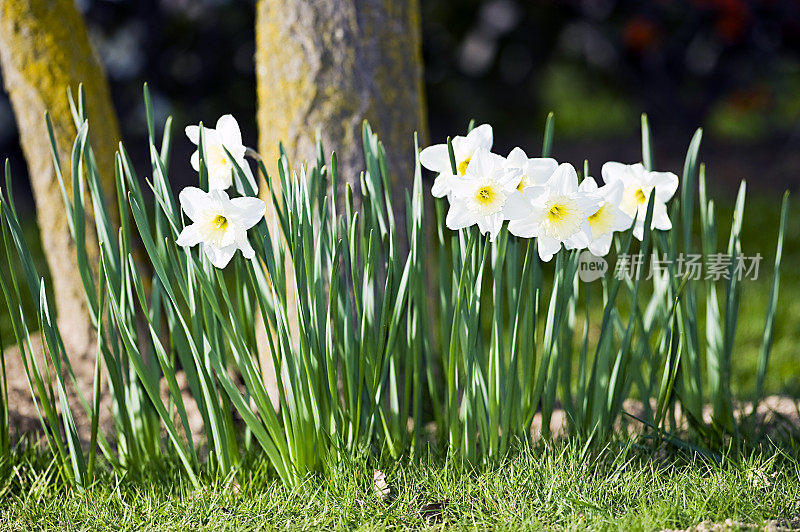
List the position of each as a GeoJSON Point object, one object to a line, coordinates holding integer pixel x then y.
{"type": "Point", "coordinates": [484, 224]}
{"type": "Point", "coordinates": [548, 247]}
{"type": "Point", "coordinates": [228, 237]}
{"type": "Point", "coordinates": [220, 180]}
{"type": "Point", "coordinates": [508, 178]}
{"type": "Point", "coordinates": [482, 163]}
{"type": "Point", "coordinates": [516, 158]}
{"type": "Point", "coordinates": [459, 217]}
{"type": "Point", "coordinates": [516, 206]}
{"type": "Point", "coordinates": [601, 245]}
{"type": "Point", "coordinates": [540, 169]}
{"type": "Point", "coordinates": [588, 185]}
{"type": "Point", "coordinates": [612, 192]}
{"type": "Point", "coordinates": [436, 158]}
{"type": "Point", "coordinates": [481, 137]}
{"type": "Point", "coordinates": [461, 149]}
{"type": "Point", "coordinates": [220, 257]}
{"type": "Point", "coordinates": [228, 131]}
{"type": "Point", "coordinates": [564, 180]}
{"type": "Point", "coordinates": [581, 239]}
{"type": "Point", "coordinates": [195, 160]}
{"type": "Point", "coordinates": [193, 132]}
{"type": "Point", "coordinates": [527, 227]}
{"type": "Point", "coordinates": [535, 193]}
{"type": "Point", "coordinates": [660, 217]}
{"type": "Point", "coordinates": [464, 187]}
{"type": "Point", "coordinates": [247, 211]}
{"type": "Point", "coordinates": [190, 236]}
{"type": "Point", "coordinates": [491, 224]}
{"type": "Point", "coordinates": [588, 203]}
{"type": "Point", "coordinates": [622, 222]}
{"type": "Point", "coordinates": [243, 244]}
{"type": "Point", "coordinates": [194, 201]}
{"type": "Point", "coordinates": [638, 229]}
{"type": "Point", "coordinates": [219, 196]}
{"type": "Point", "coordinates": [495, 225]}
{"type": "Point", "coordinates": [442, 185]}
{"type": "Point", "coordinates": [613, 171]}
{"type": "Point", "coordinates": [211, 136]}
{"type": "Point", "coordinates": [666, 184]}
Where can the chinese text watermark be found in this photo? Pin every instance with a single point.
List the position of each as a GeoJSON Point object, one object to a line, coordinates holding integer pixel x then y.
{"type": "Point", "coordinates": [694, 266]}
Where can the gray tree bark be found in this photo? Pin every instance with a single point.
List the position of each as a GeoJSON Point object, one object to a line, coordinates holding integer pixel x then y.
{"type": "Point", "coordinates": [326, 66]}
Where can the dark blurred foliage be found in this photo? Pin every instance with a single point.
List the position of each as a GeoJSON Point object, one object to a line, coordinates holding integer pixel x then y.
{"type": "Point", "coordinates": [197, 56]}
{"type": "Point", "coordinates": [678, 60]}
{"type": "Point", "coordinates": [732, 66]}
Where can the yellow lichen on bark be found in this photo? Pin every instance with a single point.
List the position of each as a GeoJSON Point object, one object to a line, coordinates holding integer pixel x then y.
{"type": "Point", "coordinates": [325, 66]}
{"type": "Point", "coordinates": [44, 49]}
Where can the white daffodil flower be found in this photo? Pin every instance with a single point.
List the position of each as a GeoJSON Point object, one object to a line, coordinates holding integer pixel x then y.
{"type": "Point", "coordinates": [637, 185]}
{"type": "Point", "coordinates": [437, 158]}
{"type": "Point", "coordinates": [609, 218]}
{"type": "Point", "coordinates": [221, 170]}
{"type": "Point", "coordinates": [219, 222]}
{"type": "Point", "coordinates": [487, 195]}
{"type": "Point", "coordinates": [535, 171]}
{"type": "Point", "coordinates": [558, 214]}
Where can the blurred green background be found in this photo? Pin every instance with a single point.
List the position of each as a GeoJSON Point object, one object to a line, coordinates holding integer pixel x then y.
{"type": "Point", "coordinates": [731, 66]}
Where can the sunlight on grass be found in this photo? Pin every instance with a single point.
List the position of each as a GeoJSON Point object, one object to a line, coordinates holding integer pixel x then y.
{"type": "Point", "coordinates": [552, 485]}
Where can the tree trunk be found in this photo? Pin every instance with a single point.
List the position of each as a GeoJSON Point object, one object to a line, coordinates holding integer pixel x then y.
{"type": "Point", "coordinates": [44, 48]}
{"type": "Point", "coordinates": [325, 66]}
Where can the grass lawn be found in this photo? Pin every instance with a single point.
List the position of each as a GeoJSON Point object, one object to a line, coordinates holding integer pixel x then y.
{"type": "Point", "coordinates": [623, 487]}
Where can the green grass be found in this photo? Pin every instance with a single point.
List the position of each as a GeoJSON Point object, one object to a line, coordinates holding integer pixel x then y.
{"type": "Point", "coordinates": [622, 487]}
{"type": "Point", "coordinates": [760, 222]}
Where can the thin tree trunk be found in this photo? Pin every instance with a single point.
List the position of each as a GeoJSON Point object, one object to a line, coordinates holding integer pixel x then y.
{"type": "Point", "coordinates": [44, 48]}
{"type": "Point", "coordinates": [325, 66]}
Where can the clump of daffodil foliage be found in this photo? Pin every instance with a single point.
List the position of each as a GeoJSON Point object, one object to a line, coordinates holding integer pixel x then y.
{"type": "Point", "coordinates": [459, 328]}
